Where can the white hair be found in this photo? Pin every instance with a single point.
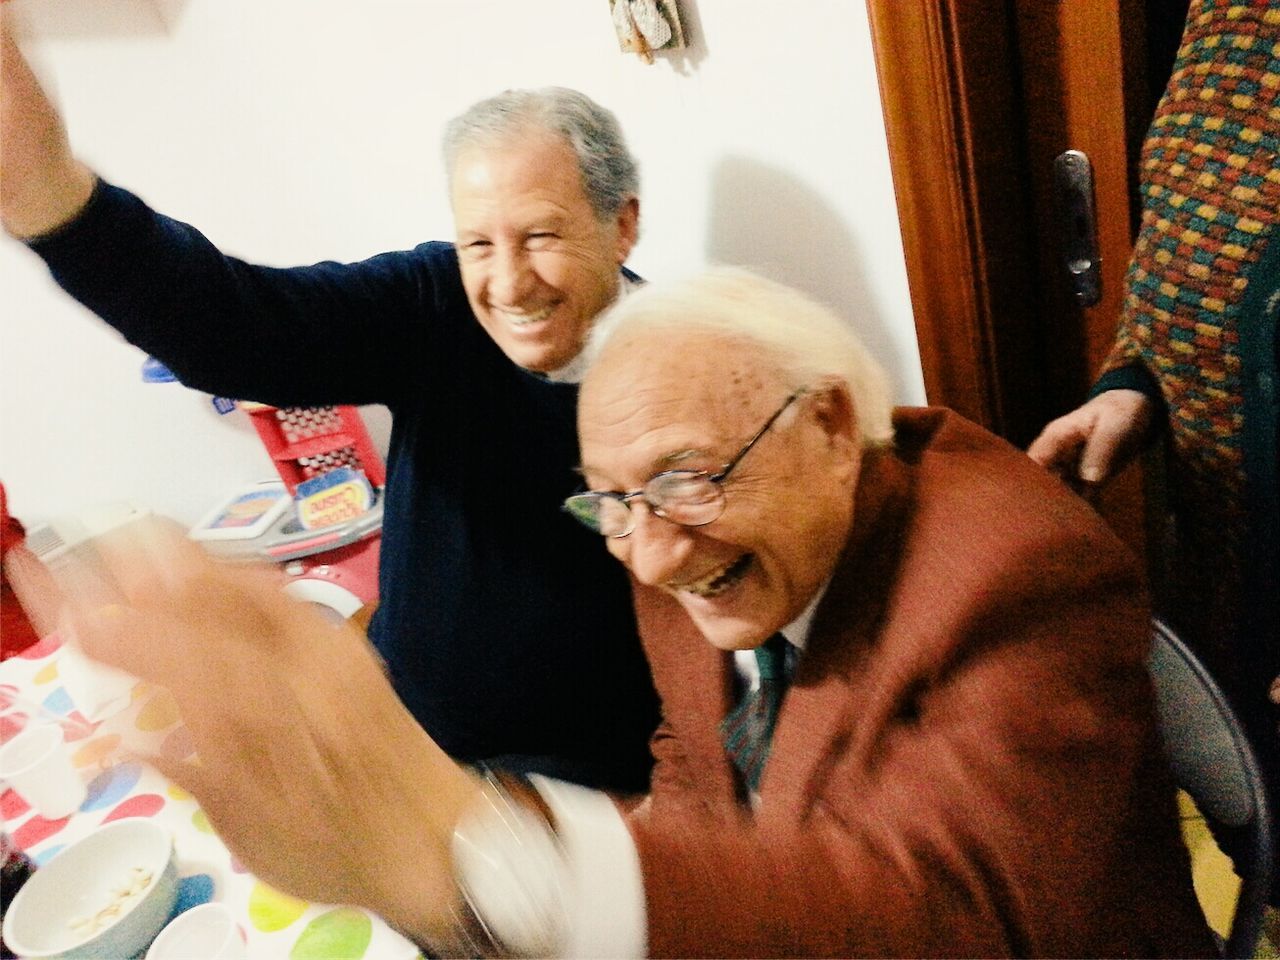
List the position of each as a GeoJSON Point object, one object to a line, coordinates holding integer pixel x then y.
{"type": "Point", "coordinates": [805, 341]}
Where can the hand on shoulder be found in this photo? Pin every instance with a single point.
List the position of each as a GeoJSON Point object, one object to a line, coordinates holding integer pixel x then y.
{"type": "Point", "coordinates": [1096, 440]}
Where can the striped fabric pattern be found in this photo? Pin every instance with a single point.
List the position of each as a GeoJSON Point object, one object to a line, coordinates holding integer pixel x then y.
{"type": "Point", "coordinates": [748, 729]}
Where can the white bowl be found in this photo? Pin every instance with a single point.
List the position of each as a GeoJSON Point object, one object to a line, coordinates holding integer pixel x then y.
{"type": "Point", "coordinates": [58, 913]}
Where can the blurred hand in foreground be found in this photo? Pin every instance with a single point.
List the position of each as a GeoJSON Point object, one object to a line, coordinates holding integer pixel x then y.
{"type": "Point", "coordinates": [1094, 442]}
{"type": "Point", "coordinates": [308, 766]}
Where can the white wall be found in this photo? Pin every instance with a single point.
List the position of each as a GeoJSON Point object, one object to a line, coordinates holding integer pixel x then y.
{"type": "Point", "coordinates": [298, 130]}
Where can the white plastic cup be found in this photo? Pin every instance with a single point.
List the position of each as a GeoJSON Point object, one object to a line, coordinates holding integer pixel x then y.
{"type": "Point", "coordinates": [37, 764]}
{"type": "Point", "coordinates": [206, 932]}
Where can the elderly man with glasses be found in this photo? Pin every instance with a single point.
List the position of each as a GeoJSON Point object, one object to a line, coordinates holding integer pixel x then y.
{"type": "Point", "coordinates": [905, 703]}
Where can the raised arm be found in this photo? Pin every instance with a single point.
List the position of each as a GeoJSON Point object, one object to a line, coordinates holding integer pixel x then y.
{"type": "Point", "coordinates": [42, 184]}
{"type": "Point", "coordinates": [328, 333]}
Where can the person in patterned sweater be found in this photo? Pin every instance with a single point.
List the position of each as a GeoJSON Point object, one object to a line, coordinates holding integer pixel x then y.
{"type": "Point", "coordinates": [1194, 361]}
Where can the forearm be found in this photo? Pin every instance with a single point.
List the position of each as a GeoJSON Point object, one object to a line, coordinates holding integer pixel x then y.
{"type": "Point", "coordinates": [42, 185]}
{"type": "Point", "coordinates": [168, 290]}
{"type": "Point", "coordinates": [37, 207]}
{"type": "Point", "coordinates": [328, 333]}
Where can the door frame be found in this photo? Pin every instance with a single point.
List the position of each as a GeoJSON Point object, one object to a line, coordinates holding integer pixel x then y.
{"type": "Point", "coordinates": [972, 134]}
{"type": "Point", "coordinates": [935, 60]}
{"type": "Point", "coordinates": [971, 142]}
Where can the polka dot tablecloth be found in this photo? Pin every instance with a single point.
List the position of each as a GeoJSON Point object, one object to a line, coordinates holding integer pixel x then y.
{"type": "Point", "coordinates": [275, 926]}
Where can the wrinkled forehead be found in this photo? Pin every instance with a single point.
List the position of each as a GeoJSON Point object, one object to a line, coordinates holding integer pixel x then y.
{"type": "Point", "coordinates": [539, 164]}
{"type": "Point", "coordinates": [705, 368]}
{"type": "Point", "coordinates": [670, 391]}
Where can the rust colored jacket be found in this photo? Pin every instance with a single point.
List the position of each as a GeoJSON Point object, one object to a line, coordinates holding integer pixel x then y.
{"type": "Point", "coordinates": [967, 762]}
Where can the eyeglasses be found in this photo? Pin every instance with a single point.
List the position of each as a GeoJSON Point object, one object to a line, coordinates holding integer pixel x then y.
{"type": "Point", "coordinates": [691, 498]}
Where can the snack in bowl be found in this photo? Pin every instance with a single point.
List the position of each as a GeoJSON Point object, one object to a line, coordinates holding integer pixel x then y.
{"type": "Point", "coordinates": [122, 898]}
{"type": "Point", "coordinates": [105, 896]}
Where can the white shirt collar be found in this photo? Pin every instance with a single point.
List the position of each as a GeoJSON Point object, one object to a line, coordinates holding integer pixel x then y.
{"type": "Point", "coordinates": [575, 369]}
{"type": "Point", "coordinates": [796, 632]}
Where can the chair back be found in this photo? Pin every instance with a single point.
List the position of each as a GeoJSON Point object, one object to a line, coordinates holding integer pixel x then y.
{"type": "Point", "coordinates": [1213, 761]}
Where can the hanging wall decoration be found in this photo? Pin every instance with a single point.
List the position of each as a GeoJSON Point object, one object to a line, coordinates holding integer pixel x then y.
{"type": "Point", "coordinates": [644, 26]}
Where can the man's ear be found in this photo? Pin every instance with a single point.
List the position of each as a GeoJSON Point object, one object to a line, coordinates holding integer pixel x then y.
{"type": "Point", "coordinates": [628, 224]}
{"type": "Point", "coordinates": [837, 415]}
{"type": "Point", "coordinates": [835, 410]}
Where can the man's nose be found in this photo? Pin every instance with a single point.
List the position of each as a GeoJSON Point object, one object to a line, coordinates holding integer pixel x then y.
{"type": "Point", "coordinates": [656, 547]}
{"type": "Point", "coordinates": [510, 276]}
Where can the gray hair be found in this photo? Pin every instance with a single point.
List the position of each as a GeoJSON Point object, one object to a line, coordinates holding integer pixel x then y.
{"type": "Point", "coordinates": [806, 341]}
{"type": "Point", "coordinates": [610, 174]}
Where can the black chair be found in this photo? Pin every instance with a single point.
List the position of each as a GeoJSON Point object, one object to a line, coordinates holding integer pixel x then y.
{"type": "Point", "coordinates": [1213, 762]}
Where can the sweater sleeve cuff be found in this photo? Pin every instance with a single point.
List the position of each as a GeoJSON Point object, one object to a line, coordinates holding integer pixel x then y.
{"type": "Point", "coordinates": [88, 213]}
{"type": "Point", "coordinates": [1130, 377]}
{"type": "Point", "coordinates": [607, 914]}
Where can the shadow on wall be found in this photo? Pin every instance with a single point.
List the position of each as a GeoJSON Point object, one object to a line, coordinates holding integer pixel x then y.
{"type": "Point", "coordinates": [765, 219]}
{"type": "Point", "coordinates": [95, 18]}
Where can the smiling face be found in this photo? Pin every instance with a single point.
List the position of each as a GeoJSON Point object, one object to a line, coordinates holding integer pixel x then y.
{"type": "Point", "coordinates": [537, 263]}
{"type": "Point", "coordinates": [657, 402]}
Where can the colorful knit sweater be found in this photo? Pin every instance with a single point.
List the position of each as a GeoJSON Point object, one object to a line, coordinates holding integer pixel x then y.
{"type": "Point", "coordinates": [1193, 333]}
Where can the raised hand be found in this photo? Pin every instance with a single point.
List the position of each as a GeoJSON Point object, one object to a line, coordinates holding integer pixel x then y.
{"type": "Point", "coordinates": [42, 184]}
{"type": "Point", "coordinates": [307, 765]}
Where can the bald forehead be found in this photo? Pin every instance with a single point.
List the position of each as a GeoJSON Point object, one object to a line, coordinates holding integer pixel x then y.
{"type": "Point", "coordinates": [657, 401]}
{"type": "Point", "coordinates": [667, 366]}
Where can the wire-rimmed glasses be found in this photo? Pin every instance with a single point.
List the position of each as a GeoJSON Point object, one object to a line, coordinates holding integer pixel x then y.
{"type": "Point", "coordinates": [691, 498]}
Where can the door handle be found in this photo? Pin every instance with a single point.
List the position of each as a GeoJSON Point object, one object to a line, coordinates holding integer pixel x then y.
{"type": "Point", "coordinates": [1077, 213]}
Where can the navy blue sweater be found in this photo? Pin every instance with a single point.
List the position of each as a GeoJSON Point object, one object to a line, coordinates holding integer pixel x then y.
{"type": "Point", "coordinates": [507, 628]}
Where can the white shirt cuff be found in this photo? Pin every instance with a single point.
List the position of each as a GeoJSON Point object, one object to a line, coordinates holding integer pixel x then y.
{"type": "Point", "coordinates": [605, 904]}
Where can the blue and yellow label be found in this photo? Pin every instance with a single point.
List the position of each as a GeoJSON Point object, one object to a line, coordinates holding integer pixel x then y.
{"type": "Point", "coordinates": [336, 497]}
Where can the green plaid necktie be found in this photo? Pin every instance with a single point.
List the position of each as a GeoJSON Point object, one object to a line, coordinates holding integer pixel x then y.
{"type": "Point", "coordinates": [748, 729]}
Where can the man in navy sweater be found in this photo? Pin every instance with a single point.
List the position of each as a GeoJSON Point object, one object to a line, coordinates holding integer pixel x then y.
{"type": "Point", "coordinates": [507, 630]}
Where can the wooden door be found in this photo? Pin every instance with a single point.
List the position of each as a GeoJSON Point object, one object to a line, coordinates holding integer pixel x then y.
{"type": "Point", "coordinates": [980, 97]}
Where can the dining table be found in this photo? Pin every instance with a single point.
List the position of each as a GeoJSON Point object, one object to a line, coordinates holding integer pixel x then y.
{"type": "Point", "coordinates": [273, 924]}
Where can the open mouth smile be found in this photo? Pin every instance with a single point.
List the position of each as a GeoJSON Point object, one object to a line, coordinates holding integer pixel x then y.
{"type": "Point", "coordinates": [524, 319]}
{"type": "Point", "coordinates": [719, 580]}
